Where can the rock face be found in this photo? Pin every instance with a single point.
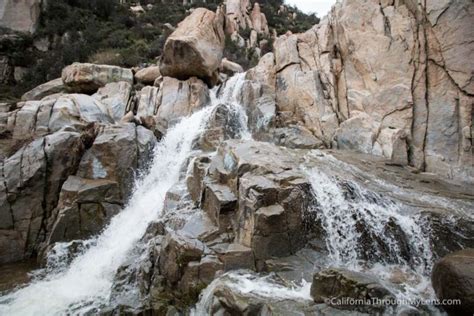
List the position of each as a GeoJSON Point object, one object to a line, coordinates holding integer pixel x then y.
{"type": "Point", "coordinates": [251, 191]}
{"type": "Point", "coordinates": [195, 48]}
{"type": "Point", "coordinates": [22, 15]}
{"type": "Point", "coordinates": [161, 107]}
{"type": "Point", "coordinates": [31, 181]}
{"type": "Point", "coordinates": [384, 78]}
{"type": "Point", "coordinates": [87, 78]}
{"type": "Point", "coordinates": [453, 278]}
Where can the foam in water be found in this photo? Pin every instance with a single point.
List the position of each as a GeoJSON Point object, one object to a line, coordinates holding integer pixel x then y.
{"type": "Point", "coordinates": [346, 218]}
{"type": "Point", "coordinates": [250, 283]}
{"type": "Point", "coordinates": [85, 284]}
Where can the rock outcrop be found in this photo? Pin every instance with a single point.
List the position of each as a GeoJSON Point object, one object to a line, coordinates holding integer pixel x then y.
{"type": "Point", "coordinates": [87, 78]}
{"type": "Point", "coordinates": [384, 78]}
{"type": "Point", "coordinates": [31, 181]}
{"type": "Point", "coordinates": [195, 48]}
{"type": "Point", "coordinates": [22, 15]}
{"type": "Point", "coordinates": [453, 279]}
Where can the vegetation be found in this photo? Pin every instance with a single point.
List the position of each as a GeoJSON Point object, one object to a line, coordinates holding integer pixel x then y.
{"type": "Point", "coordinates": [103, 31]}
{"type": "Point", "coordinates": [292, 20]}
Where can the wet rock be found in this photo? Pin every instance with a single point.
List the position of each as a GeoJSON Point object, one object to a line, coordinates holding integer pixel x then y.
{"type": "Point", "coordinates": [87, 78]}
{"type": "Point", "coordinates": [251, 191]}
{"type": "Point", "coordinates": [453, 278]}
{"type": "Point", "coordinates": [219, 200]}
{"type": "Point", "coordinates": [148, 75]}
{"type": "Point", "coordinates": [223, 124]}
{"type": "Point", "coordinates": [235, 256]}
{"type": "Point", "coordinates": [45, 89]}
{"type": "Point", "coordinates": [195, 179]}
{"type": "Point", "coordinates": [195, 48]}
{"type": "Point", "coordinates": [332, 286]}
{"type": "Point", "coordinates": [259, 102]}
{"type": "Point", "coordinates": [177, 251]}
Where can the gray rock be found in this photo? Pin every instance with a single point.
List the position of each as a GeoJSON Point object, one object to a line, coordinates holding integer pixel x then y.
{"type": "Point", "coordinates": [453, 278]}
{"type": "Point", "coordinates": [338, 287]}
{"type": "Point", "coordinates": [117, 153]}
{"type": "Point", "coordinates": [32, 180]}
{"type": "Point", "coordinates": [84, 208]}
{"type": "Point", "coordinates": [44, 90]}
{"type": "Point", "coordinates": [87, 78]}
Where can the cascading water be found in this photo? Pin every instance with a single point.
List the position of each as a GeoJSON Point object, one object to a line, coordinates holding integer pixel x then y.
{"type": "Point", "coordinates": [85, 284]}
{"type": "Point", "coordinates": [365, 231]}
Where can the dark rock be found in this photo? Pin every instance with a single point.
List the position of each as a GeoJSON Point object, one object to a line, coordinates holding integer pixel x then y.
{"type": "Point", "coordinates": [453, 278]}
{"type": "Point", "coordinates": [337, 287]}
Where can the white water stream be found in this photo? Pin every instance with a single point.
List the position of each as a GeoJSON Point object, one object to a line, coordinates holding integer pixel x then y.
{"type": "Point", "coordinates": [84, 286]}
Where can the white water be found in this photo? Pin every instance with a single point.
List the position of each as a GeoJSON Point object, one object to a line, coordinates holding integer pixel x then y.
{"type": "Point", "coordinates": [250, 283]}
{"type": "Point", "coordinates": [346, 209]}
{"type": "Point", "coordinates": [85, 285]}
{"type": "Point", "coordinates": [230, 96]}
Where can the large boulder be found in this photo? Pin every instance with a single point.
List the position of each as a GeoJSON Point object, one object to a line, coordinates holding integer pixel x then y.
{"type": "Point", "coordinates": [87, 78]}
{"type": "Point", "coordinates": [20, 15]}
{"type": "Point", "coordinates": [195, 48]}
{"type": "Point", "coordinates": [453, 279]}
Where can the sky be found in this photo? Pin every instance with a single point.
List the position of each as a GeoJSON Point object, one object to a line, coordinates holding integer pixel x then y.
{"type": "Point", "coordinates": [321, 7]}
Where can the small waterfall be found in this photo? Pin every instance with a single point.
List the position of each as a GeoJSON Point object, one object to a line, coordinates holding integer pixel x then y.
{"type": "Point", "coordinates": [230, 96]}
{"type": "Point", "coordinates": [362, 225]}
{"type": "Point", "coordinates": [368, 232]}
{"type": "Point", "coordinates": [84, 285]}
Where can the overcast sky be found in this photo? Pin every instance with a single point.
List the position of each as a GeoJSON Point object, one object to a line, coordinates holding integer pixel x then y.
{"type": "Point", "coordinates": [321, 7]}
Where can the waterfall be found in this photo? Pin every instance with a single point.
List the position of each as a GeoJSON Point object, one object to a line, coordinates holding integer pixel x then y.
{"type": "Point", "coordinates": [84, 285]}
{"type": "Point", "coordinates": [349, 213]}
{"type": "Point", "coordinates": [365, 231]}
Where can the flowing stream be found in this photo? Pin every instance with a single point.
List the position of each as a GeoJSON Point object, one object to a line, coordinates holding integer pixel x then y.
{"type": "Point", "coordinates": [84, 285]}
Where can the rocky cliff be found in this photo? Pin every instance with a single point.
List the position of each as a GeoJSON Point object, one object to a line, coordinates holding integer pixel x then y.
{"type": "Point", "coordinates": [390, 78]}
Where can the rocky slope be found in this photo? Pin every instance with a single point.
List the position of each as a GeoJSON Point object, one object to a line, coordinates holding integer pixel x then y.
{"type": "Point", "coordinates": [343, 158]}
